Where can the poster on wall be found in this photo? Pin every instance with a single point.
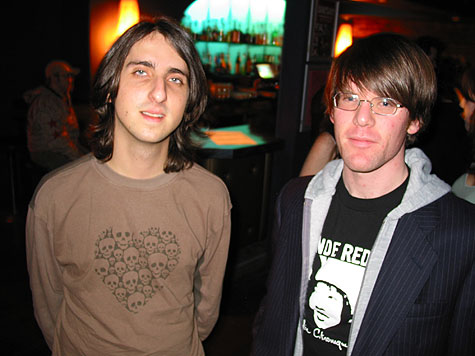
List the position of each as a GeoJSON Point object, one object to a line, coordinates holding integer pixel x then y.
{"type": "Point", "coordinates": [322, 30]}
{"type": "Point", "coordinates": [322, 33]}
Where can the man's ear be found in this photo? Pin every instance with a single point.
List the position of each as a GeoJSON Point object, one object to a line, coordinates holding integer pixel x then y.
{"type": "Point", "coordinates": [414, 126]}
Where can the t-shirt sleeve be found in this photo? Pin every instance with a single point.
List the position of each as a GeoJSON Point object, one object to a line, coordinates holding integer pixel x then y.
{"type": "Point", "coordinates": [211, 266]}
{"type": "Point", "coordinates": [45, 275]}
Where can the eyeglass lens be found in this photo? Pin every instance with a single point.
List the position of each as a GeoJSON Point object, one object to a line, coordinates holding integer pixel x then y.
{"type": "Point", "coordinates": [351, 102]}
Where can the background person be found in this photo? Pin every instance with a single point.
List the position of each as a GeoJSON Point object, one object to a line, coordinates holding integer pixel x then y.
{"type": "Point", "coordinates": [52, 127]}
{"type": "Point", "coordinates": [323, 149]}
{"type": "Point", "coordinates": [464, 186]}
{"type": "Point", "coordinates": [444, 141]}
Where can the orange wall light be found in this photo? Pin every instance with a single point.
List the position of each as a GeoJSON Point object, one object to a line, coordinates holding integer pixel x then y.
{"type": "Point", "coordinates": [108, 20]}
{"type": "Point", "coordinates": [129, 15]}
{"type": "Point", "coordinates": [344, 38]}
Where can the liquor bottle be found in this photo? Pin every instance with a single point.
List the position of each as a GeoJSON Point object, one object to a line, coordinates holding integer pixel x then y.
{"type": "Point", "coordinates": [220, 32]}
{"type": "Point", "coordinates": [264, 35]}
{"type": "Point", "coordinates": [235, 34]}
{"type": "Point", "coordinates": [217, 64]}
{"type": "Point", "coordinates": [224, 65]}
{"type": "Point", "coordinates": [248, 64]}
{"type": "Point", "coordinates": [207, 64]}
{"type": "Point", "coordinates": [237, 65]}
{"type": "Point", "coordinates": [229, 66]}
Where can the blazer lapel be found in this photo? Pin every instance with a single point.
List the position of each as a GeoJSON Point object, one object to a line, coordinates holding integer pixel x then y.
{"type": "Point", "coordinates": [406, 267]}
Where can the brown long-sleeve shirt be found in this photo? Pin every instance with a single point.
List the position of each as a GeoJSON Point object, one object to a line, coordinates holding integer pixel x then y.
{"type": "Point", "coordinates": [124, 266]}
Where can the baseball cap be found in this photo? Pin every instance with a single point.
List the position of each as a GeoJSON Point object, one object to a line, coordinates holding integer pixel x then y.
{"type": "Point", "coordinates": [56, 66]}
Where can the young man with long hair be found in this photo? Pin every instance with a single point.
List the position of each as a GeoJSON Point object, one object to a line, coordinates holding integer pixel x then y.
{"type": "Point", "coordinates": [127, 246]}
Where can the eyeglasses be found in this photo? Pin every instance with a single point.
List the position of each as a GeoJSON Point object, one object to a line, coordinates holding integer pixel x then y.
{"type": "Point", "coordinates": [64, 75]}
{"type": "Point", "coordinates": [380, 106]}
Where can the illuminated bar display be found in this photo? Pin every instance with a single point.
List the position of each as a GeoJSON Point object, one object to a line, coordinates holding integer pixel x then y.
{"type": "Point", "coordinates": [232, 36]}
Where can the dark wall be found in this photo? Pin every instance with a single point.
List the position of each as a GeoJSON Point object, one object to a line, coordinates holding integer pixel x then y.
{"type": "Point", "coordinates": [287, 161]}
{"type": "Point", "coordinates": [173, 8]}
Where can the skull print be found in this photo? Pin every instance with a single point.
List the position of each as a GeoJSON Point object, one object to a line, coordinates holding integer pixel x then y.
{"type": "Point", "coordinates": [151, 243]}
{"type": "Point", "coordinates": [157, 262]}
{"type": "Point", "coordinates": [112, 281]}
{"type": "Point", "coordinates": [131, 257]}
{"type": "Point", "coordinates": [133, 265]}
{"type": "Point", "coordinates": [167, 236]}
{"type": "Point", "coordinates": [123, 239]}
{"type": "Point", "coordinates": [138, 240]}
{"type": "Point", "coordinates": [145, 276]}
{"type": "Point", "coordinates": [120, 293]}
{"type": "Point", "coordinates": [106, 247]}
{"type": "Point", "coordinates": [101, 266]}
{"type": "Point", "coordinates": [171, 250]}
{"type": "Point", "coordinates": [135, 302]}
{"type": "Point", "coordinates": [120, 268]}
{"type": "Point", "coordinates": [148, 290]}
{"type": "Point", "coordinates": [130, 280]}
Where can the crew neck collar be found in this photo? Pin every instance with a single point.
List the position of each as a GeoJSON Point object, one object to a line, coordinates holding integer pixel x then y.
{"type": "Point", "coordinates": [143, 184]}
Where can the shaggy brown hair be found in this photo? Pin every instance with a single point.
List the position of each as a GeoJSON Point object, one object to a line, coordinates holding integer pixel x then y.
{"type": "Point", "coordinates": [106, 85]}
{"type": "Point", "coordinates": [389, 65]}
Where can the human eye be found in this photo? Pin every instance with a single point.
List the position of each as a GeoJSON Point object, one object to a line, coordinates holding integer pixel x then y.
{"type": "Point", "coordinates": [349, 98]}
{"type": "Point", "coordinates": [140, 72]}
{"type": "Point", "coordinates": [346, 101]}
{"type": "Point", "coordinates": [176, 80]}
{"type": "Point", "coordinates": [178, 77]}
{"type": "Point", "coordinates": [386, 103]}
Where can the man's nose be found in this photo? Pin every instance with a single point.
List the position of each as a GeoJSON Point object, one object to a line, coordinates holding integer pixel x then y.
{"type": "Point", "coordinates": [158, 92]}
{"type": "Point", "coordinates": [364, 115]}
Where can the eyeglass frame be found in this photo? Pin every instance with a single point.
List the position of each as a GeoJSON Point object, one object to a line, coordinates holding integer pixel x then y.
{"type": "Point", "coordinates": [370, 102]}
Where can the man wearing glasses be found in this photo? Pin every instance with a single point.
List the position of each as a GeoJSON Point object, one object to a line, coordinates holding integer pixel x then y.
{"type": "Point", "coordinates": [376, 224]}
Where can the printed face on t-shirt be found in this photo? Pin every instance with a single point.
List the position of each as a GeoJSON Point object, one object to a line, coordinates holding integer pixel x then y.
{"type": "Point", "coordinates": [327, 304]}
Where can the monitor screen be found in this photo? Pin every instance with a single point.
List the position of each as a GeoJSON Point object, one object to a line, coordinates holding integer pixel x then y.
{"type": "Point", "coordinates": [264, 70]}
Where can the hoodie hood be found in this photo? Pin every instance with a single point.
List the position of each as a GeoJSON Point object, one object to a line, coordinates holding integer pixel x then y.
{"type": "Point", "coordinates": [423, 187]}
{"type": "Point", "coordinates": [30, 95]}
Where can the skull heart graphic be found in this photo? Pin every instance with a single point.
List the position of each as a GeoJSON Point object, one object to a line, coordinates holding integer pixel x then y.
{"type": "Point", "coordinates": [131, 266]}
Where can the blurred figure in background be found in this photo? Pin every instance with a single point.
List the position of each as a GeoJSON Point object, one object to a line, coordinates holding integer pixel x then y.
{"type": "Point", "coordinates": [324, 147]}
{"type": "Point", "coordinates": [464, 186]}
{"type": "Point", "coordinates": [445, 141]}
{"type": "Point", "coordinates": [323, 150]}
{"type": "Point", "coordinates": [52, 127]}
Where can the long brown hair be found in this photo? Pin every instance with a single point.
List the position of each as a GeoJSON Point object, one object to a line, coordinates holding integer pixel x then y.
{"type": "Point", "coordinates": [106, 85]}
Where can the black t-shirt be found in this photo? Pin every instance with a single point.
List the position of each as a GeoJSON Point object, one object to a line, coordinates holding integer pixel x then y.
{"type": "Point", "coordinates": [348, 234]}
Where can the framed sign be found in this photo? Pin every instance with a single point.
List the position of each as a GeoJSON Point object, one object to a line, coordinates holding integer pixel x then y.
{"type": "Point", "coordinates": [322, 30]}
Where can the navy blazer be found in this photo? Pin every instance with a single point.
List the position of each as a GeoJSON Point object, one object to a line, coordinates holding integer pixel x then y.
{"type": "Point", "coordinates": [423, 302]}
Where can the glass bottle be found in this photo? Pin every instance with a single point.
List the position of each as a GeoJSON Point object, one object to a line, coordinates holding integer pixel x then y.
{"type": "Point", "coordinates": [237, 65]}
